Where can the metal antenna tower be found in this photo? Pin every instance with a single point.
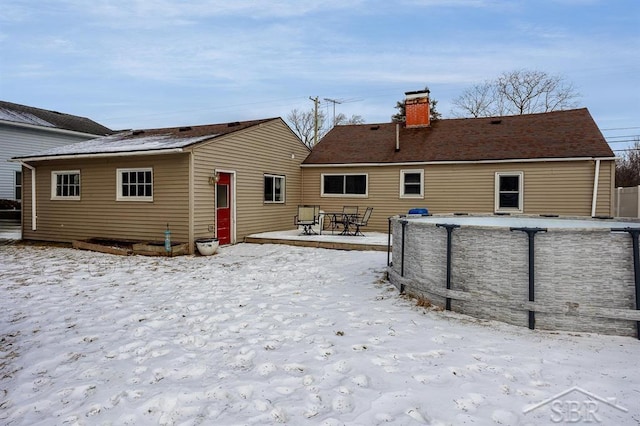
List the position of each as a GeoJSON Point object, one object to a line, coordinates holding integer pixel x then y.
{"type": "Point", "coordinates": [334, 102]}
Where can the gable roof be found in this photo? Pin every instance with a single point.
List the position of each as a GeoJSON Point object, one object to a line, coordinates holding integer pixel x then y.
{"type": "Point", "coordinates": [147, 141]}
{"type": "Point", "coordinates": [552, 135]}
{"type": "Point", "coordinates": [26, 115]}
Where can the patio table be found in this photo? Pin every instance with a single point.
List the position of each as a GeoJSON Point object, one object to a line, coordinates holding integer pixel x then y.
{"type": "Point", "coordinates": [345, 219]}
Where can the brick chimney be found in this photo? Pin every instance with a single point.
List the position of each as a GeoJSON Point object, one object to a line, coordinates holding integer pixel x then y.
{"type": "Point", "coordinates": [416, 107]}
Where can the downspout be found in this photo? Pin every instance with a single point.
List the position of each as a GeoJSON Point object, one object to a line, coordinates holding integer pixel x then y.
{"type": "Point", "coordinates": [595, 189]}
{"type": "Point", "coordinates": [33, 194]}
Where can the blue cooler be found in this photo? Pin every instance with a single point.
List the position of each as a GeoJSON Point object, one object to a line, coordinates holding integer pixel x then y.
{"type": "Point", "coordinates": [419, 211]}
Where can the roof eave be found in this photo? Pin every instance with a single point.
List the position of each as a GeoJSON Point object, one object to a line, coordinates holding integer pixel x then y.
{"type": "Point", "coordinates": [97, 155]}
{"type": "Point", "coordinates": [418, 163]}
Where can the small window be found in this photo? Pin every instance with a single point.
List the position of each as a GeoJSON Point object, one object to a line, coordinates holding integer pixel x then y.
{"type": "Point", "coordinates": [335, 185]}
{"type": "Point", "coordinates": [222, 196]}
{"type": "Point", "coordinates": [508, 192]}
{"type": "Point", "coordinates": [411, 184]}
{"type": "Point", "coordinates": [18, 185]}
{"type": "Point", "coordinates": [273, 189]}
{"type": "Point", "coordinates": [135, 184]}
{"type": "Point", "coordinates": [65, 185]}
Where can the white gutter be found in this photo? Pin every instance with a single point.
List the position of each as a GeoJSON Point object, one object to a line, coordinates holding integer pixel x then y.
{"type": "Point", "coordinates": [49, 129]}
{"type": "Point", "coordinates": [596, 178]}
{"type": "Point", "coordinates": [33, 194]}
{"type": "Point", "coordinates": [100, 155]}
{"type": "Point", "coordinates": [431, 163]}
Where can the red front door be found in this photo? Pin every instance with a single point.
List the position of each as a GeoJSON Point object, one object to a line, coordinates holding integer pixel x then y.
{"type": "Point", "coordinates": [223, 208]}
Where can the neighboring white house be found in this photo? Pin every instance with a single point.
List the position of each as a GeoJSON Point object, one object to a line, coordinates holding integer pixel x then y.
{"type": "Point", "coordinates": [25, 130]}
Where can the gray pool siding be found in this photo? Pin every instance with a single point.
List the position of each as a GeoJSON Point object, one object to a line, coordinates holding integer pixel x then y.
{"type": "Point", "coordinates": [584, 278]}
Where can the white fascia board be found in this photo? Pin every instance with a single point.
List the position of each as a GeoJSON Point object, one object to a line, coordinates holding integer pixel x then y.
{"type": "Point", "coordinates": [98, 155]}
{"type": "Point", "coordinates": [429, 163]}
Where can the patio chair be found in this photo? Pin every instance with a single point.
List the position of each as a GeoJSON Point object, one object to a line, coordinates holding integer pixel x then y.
{"type": "Point", "coordinates": [360, 222]}
{"type": "Point", "coordinates": [348, 213]}
{"type": "Point", "coordinates": [307, 217]}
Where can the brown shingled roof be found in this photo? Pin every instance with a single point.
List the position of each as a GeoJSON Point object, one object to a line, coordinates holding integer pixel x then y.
{"type": "Point", "coordinates": [45, 118]}
{"type": "Point", "coordinates": [558, 134]}
{"type": "Point", "coordinates": [193, 131]}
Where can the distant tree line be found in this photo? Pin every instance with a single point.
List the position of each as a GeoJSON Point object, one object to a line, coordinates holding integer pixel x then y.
{"type": "Point", "coordinates": [628, 167]}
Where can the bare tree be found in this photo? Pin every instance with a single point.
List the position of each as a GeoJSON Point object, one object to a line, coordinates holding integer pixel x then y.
{"type": "Point", "coordinates": [478, 100]}
{"type": "Point", "coordinates": [628, 167]}
{"type": "Point", "coordinates": [515, 93]}
{"type": "Point", "coordinates": [303, 124]}
{"type": "Point", "coordinates": [342, 119]}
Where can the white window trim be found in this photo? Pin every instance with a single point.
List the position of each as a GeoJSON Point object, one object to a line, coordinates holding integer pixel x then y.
{"type": "Point", "coordinates": [402, 183]}
{"type": "Point", "coordinates": [497, 208]}
{"type": "Point", "coordinates": [284, 188]}
{"type": "Point", "coordinates": [119, 196]}
{"type": "Point", "coordinates": [54, 181]}
{"type": "Point", "coordinates": [365, 195]}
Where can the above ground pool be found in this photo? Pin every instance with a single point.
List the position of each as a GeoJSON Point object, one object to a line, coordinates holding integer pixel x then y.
{"type": "Point", "coordinates": [552, 273]}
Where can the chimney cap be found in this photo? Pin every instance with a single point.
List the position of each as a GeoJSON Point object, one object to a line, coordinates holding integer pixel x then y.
{"type": "Point", "coordinates": [418, 92]}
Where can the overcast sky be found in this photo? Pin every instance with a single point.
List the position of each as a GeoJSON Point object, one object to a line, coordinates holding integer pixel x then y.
{"type": "Point", "coordinates": [162, 63]}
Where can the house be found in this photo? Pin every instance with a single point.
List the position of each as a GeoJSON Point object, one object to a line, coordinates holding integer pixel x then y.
{"type": "Point", "coordinates": [549, 163]}
{"type": "Point", "coordinates": [224, 180]}
{"type": "Point", "coordinates": [25, 130]}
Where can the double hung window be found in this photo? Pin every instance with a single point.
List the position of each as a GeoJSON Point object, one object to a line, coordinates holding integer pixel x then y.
{"type": "Point", "coordinates": [18, 185]}
{"type": "Point", "coordinates": [274, 189]}
{"type": "Point", "coordinates": [508, 192]}
{"type": "Point", "coordinates": [411, 184]}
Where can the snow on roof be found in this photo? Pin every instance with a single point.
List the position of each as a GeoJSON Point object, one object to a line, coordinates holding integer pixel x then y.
{"type": "Point", "coordinates": [116, 143]}
{"type": "Point", "coordinates": [147, 140]}
{"type": "Point", "coordinates": [32, 116]}
{"type": "Point", "coordinates": [22, 117]}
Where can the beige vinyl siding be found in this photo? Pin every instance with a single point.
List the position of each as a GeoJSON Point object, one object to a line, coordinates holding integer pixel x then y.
{"type": "Point", "coordinates": [98, 214]}
{"type": "Point", "coordinates": [563, 188]}
{"type": "Point", "coordinates": [270, 148]}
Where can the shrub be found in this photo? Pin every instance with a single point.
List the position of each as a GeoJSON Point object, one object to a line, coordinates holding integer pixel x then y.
{"type": "Point", "coordinates": [9, 204]}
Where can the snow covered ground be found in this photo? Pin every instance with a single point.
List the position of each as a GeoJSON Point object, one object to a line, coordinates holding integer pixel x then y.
{"type": "Point", "coordinates": [268, 334]}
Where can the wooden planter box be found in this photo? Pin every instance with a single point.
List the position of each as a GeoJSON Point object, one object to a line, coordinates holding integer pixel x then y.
{"type": "Point", "coordinates": [102, 247]}
{"type": "Point", "coordinates": [157, 249]}
{"type": "Point", "coordinates": [126, 248]}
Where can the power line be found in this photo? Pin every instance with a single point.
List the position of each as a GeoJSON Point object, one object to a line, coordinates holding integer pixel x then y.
{"type": "Point", "coordinates": [620, 128]}
{"type": "Point", "coordinates": [625, 141]}
{"type": "Point", "coordinates": [626, 136]}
